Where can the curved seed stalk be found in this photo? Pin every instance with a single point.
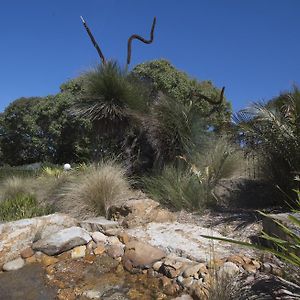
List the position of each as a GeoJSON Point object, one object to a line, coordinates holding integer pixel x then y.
{"type": "Point", "coordinates": [138, 37]}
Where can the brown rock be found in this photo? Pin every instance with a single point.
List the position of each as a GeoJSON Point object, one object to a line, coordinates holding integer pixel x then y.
{"type": "Point", "coordinates": [141, 254]}
{"type": "Point", "coordinates": [165, 281]}
{"type": "Point", "coordinates": [256, 263]}
{"type": "Point", "coordinates": [127, 265]}
{"type": "Point", "coordinates": [66, 294]}
{"type": "Point", "coordinates": [193, 270]}
{"type": "Point", "coordinates": [249, 268]}
{"type": "Point", "coordinates": [99, 250]}
{"type": "Point", "coordinates": [124, 237]}
{"type": "Point", "coordinates": [48, 260]}
{"type": "Point", "coordinates": [27, 252]}
{"type": "Point", "coordinates": [236, 259]}
{"type": "Point", "coordinates": [31, 260]}
{"type": "Point", "coordinates": [171, 289]}
{"type": "Point", "coordinates": [115, 251]}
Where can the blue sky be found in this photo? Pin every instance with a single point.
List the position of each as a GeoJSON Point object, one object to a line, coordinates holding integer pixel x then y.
{"type": "Point", "coordinates": [250, 46]}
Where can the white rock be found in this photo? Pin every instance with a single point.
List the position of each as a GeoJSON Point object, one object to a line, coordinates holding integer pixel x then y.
{"type": "Point", "coordinates": [18, 235]}
{"type": "Point", "coordinates": [99, 237]}
{"type": "Point", "coordinates": [98, 224]}
{"type": "Point", "coordinates": [78, 252]}
{"type": "Point", "coordinates": [63, 240]}
{"type": "Point", "coordinates": [228, 269]}
{"type": "Point", "coordinates": [92, 294]}
{"type": "Point", "coordinates": [14, 265]}
{"type": "Point", "coordinates": [184, 240]}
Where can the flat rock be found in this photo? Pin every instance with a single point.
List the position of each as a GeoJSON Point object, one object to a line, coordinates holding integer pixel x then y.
{"type": "Point", "coordinates": [62, 241]}
{"type": "Point", "coordinates": [184, 240]}
{"type": "Point", "coordinates": [99, 237]}
{"type": "Point", "coordinates": [99, 224]}
{"type": "Point", "coordinates": [18, 235]}
{"type": "Point", "coordinates": [13, 265]}
{"type": "Point", "coordinates": [142, 254]}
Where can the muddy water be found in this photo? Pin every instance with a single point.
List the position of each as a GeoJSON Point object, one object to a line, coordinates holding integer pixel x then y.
{"type": "Point", "coordinates": [99, 278]}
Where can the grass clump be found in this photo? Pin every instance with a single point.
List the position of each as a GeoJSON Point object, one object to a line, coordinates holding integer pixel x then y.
{"type": "Point", "coordinates": [92, 191]}
{"type": "Point", "coordinates": [22, 206]}
{"type": "Point", "coordinates": [191, 182]}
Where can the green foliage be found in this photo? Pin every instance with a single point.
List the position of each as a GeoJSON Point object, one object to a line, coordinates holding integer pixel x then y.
{"type": "Point", "coordinates": [190, 184]}
{"type": "Point", "coordinates": [163, 77]}
{"type": "Point", "coordinates": [20, 207]}
{"type": "Point", "coordinates": [271, 132]}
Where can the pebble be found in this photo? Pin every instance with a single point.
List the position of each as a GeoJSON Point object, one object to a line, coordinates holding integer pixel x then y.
{"type": "Point", "coordinates": [100, 249]}
{"type": "Point", "coordinates": [13, 265]}
{"type": "Point", "coordinates": [99, 237]}
{"type": "Point", "coordinates": [27, 252]}
{"type": "Point", "coordinates": [78, 252]}
{"type": "Point", "coordinates": [48, 260]}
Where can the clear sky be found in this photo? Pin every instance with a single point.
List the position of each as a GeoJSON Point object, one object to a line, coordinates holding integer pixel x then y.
{"type": "Point", "coordinates": [250, 46]}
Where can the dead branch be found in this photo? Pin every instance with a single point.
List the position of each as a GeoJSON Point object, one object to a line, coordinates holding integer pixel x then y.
{"type": "Point", "coordinates": [138, 37]}
{"type": "Point", "coordinates": [93, 41]}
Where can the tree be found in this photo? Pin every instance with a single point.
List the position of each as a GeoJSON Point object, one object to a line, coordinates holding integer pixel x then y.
{"type": "Point", "coordinates": [272, 132]}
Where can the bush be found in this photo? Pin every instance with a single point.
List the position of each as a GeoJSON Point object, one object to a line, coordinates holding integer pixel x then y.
{"type": "Point", "coordinates": [22, 206]}
{"type": "Point", "coordinates": [190, 183]}
{"type": "Point", "coordinates": [94, 190]}
{"type": "Point", "coordinates": [271, 132]}
{"type": "Point", "coordinates": [13, 187]}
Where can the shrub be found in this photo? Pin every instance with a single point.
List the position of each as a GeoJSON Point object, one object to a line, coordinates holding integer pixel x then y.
{"type": "Point", "coordinates": [271, 132]}
{"type": "Point", "coordinates": [94, 190]}
{"type": "Point", "coordinates": [190, 183]}
{"type": "Point", "coordinates": [20, 207]}
{"type": "Point", "coordinates": [12, 187]}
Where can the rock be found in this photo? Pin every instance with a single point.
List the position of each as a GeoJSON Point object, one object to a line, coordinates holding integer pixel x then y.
{"type": "Point", "coordinates": [115, 251]}
{"type": "Point", "coordinates": [171, 289]}
{"type": "Point", "coordinates": [48, 260]}
{"type": "Point", "coordinates": [135, 212]}
{"type": "Point", "coordinates": [142, 254]}
{"type": "Point", "coordinates": [157, 265]}
{"type": "Point", "coordinates": [171, 268]}
{"type": "Point", "coordinates": [31, 260]}
{"type": "Point", "coordinates": [113, 231]}
{"type": "Point", "coordinates": [92, 294]}
{"type": "Point", "coordinates": [78, 252]}
{"type": "Point", "coordinates": [184, 297]}
{"type": "Point", "coordinates": [100, 249]}
{"type": "Point", "coordinates": [271, 228]}
{"type": "Point", "coordinates": [27, 252]}
{"type": "Point", "coordinates": [19, 235]}
{"type": "Point", "coordinates": [99, 224]}
{"type": "Point", "coordinates": [62, 241]}
{"type": "Point", "coordinates": [66, 294]}
{"type": "Point", "coordinates": [113, 240]}
{"type": "Point", "coordinates": [13, 265]}
{"type": "Point", "coordinates": [236, 259]}
{"type": "Point", "coordinates": [183, 240]}
{"type": "Point", "coordinates": [228, 269]}
{"type": "Point", "coordinates": [188, 282]}
{"type": "Point", "coordinates": [250, 268]}
{"type": "Point", "coordinates": [99, 237]}
{"type": "Point", "coordinates": [193, 270]}
{"type": "Point", "coordinates": [124, 237]}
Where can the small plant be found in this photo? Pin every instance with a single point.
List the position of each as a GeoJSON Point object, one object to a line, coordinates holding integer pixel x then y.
{"type": "Point", "coordinates": [94, 190]}
{"type": "Point", "coordinates": [51, 171]}
{"type": "Point", "coordinates": [23, 206]}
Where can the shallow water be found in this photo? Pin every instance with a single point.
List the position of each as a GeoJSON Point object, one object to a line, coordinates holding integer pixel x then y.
{"type": "Point", "coordinates": [101, 276]}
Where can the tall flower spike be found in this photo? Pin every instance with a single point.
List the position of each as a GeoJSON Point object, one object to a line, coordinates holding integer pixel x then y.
{"type": "Point", "coordinates": [93, 40]}
{"type": "Point", "coordinates": [138, 37]}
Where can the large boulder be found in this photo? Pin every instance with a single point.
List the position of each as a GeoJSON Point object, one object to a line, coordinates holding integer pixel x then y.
{"type": "Point", "coordinates": [62, 241]}
{"type": "Point", "coordinates": [18, 235]}
{"type": "Point", "coordinates": [135, 212]}
{"type": "Point", "coordinates": [185, 240]}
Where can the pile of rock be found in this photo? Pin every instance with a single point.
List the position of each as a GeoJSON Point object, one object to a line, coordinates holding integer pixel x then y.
{"type": "Point", "coordinates": [51, 239]}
